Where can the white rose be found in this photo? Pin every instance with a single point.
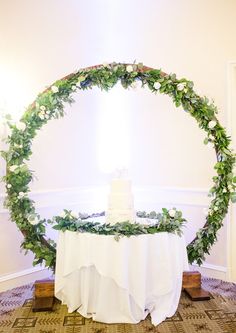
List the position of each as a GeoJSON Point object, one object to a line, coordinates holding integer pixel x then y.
{"type": "Point", "coordinates": [33, 219]}
{"type": "Point", "coordinates": [20, 126]}
{"type": "Point", "coordinates": [180, 86]}
{"type": "Point", "coordinates": [157, 85]}
{"type": "Point", "coordinates": [21, 195]}
{"type": "Point", "coordinates": [54, 89]}
{"type": "Point", "coordinates": [42, 108]}
{"type": "Point", "coordinates": [224, 190]}
{"type": "Point", "coordinates": [9, 185]}
{"type": "Point", "coordinates": [172, 212]}
{"type": "Point", "coordinates": [212, 124]}
{"type": "Point", "coordinates": [129, 68]}
{"type": "Point", "coordinates": [12, 168]}
{"type": "Point", "coordinates": [36, 221]}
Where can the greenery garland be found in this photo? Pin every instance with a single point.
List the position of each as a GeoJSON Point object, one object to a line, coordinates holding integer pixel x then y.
{"type": "Point", "coordinates": [168, 221]}
{"type": "Point", "coordinates": [50, 104]}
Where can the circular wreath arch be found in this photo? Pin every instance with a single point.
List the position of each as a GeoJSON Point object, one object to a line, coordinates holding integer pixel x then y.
{"type": "Point", "coordinates": [50, 104]}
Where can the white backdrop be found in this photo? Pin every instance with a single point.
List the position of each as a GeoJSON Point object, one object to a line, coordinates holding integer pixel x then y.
{"type": "Point", "coordinates": [162, 146]}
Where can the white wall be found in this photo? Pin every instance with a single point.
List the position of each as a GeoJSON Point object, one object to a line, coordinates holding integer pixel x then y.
{"type": "Point", "coordinates": [43, 41]}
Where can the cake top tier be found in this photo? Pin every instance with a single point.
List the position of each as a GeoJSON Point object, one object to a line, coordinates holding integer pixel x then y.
{"type": "Point", "coordinates": [121, 173]}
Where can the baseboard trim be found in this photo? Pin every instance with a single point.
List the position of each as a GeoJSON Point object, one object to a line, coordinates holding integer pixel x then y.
{"type": "Point", "coordinates": [213, 271]}
{"type": "Point", "coordinates": [24, 272]}
{"type": "Point", "coordinates": [212, 267]}
{"type": "Point", "coordinates": [23, 277]}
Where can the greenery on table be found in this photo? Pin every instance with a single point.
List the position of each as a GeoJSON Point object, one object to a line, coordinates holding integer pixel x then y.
{"type": "Point", "coordinates": [167, 221]}
{"type": "Point", "coordinates": [50, 104]}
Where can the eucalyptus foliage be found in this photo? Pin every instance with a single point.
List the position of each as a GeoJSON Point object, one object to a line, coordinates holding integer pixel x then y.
{"type": "Point", "coordinates": [157, 222]}
{"type": "Point", "coordinates": [50, 105]}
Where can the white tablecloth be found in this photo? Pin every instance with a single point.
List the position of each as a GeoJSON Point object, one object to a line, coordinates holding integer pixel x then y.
{"type": "Point", "coordinates": [120, 282]}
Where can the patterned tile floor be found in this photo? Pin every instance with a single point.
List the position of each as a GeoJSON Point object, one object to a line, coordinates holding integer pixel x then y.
{"type": "Point", "coordinates": [217, 315]}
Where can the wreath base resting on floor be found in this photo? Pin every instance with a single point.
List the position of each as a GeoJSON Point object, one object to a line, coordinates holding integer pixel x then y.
{"type": "Point", "coordinates": [50, 104]}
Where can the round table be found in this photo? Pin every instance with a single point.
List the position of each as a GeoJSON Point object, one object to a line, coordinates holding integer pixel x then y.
{"type": "Point", "coordinates": [120, 281]}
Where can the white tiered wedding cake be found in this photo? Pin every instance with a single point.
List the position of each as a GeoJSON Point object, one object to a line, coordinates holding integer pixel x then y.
{"type": "Point", "coordinates": [120, 202]}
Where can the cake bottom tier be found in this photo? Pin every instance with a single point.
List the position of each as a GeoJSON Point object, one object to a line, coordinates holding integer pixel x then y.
{"type": "Point", "coordinates": [113, 216]}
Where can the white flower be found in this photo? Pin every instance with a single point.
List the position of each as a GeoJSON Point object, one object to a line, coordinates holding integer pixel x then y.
{"type": "Point", "coordinates": [12, 168]}
{"type": "Point", "coordinates": [157, 85]}
{"type": "Point", "coordinates": [41, 115]}
{"type": "Point", "coordinates": [54, 89]}
{"type": "Point", "coordinates": [212, 124]}
{"type": "Point", "coordinates": [20, 126]}
{"type": "Point", "coordinates": [18, 146]}
{"type": "Point", "coordinates": [9, 185]}
{"type": "Point", "coordinates": [48, 112]}
{"type": "Point", "coordinates": [224, 190]}
{"type": "Point", "coordinates": [180, 86]}
{"type": "Point", "coordinates": [172, 212]}
{"type": "Point", "coordinates": [42, 108]}
{"type": "Point", "coordinates": [74, 214]}
{"type": "Point", "coordinates": [21, 195]}
{"type": "Point", "coordinates": [33, 219]}
{"type": "Point", "coordinates": [73, 88]}
{"type": "Point", "coordinates": [129, 68]}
